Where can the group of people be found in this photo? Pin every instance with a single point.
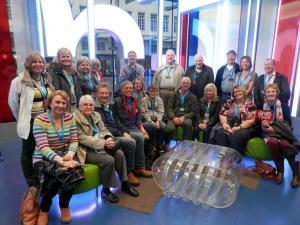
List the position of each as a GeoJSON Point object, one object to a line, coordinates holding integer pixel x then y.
{"type": "Point", "coordinates": [66, 118]}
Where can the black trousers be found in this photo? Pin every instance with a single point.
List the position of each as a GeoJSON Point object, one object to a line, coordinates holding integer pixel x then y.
{"type": "Point", "coordinates": [49, 191]}
{"type": "Point", "coordinates": [26, 158]}
{"type": "Point", "coordinates": [236, 140]}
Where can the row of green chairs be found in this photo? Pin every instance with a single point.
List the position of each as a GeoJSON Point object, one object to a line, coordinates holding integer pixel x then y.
{"type": "Point", "coordinates": [256, 147]}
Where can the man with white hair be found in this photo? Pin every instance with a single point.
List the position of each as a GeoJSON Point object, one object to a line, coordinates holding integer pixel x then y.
{"type": "Point", "coordinates": [167, 77]}
{"type": "Point", "coordinates": [181, 109]}
{"type": "Point", "coordinates": [200, 75]}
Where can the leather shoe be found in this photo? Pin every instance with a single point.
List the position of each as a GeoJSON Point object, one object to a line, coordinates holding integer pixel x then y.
{"type": "Point", "coordinates": [133, 180]}
{"type": "Point", "coordinates": [279, 178]}
{"type": "Point", "coordinates": [164, 148]}
{"type": "Point", "coordinates": [111, 197]}
{"type": "Point", "coordinates": [130, 190]}
{"type": "Point", "coordinates": [295, 182]}
{"type": "Point", "coordinates": [141, 172]}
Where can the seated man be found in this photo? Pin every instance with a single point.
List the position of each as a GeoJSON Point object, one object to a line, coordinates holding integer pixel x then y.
{"type": "Point", "coordinates": [152, 111]}
{"type": "Point", "coordinates": [181, 109]}
{"type": "Point", "coordinates": [111, 121]}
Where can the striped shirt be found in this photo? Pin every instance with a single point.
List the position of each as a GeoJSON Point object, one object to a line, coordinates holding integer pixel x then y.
{"type": "Point", "coordinates": [47, 140]}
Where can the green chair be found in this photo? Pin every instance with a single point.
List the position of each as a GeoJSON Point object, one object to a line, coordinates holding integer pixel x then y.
{"type": "Point", "coordinates": [258, 149]}
{"type": "Point", "coordinates": [92, 179]}
{"type": "Point", "coordinates": [178, 134]}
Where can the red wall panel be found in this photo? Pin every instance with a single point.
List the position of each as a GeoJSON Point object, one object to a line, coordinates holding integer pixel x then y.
{"type": "Point", "coordinates": [7, 64]}
{"type": "Point", "coordinates": [286, 37]}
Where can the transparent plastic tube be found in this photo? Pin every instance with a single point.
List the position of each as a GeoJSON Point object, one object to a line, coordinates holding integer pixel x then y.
{"type": "Point", "coordinates": [200, 173]}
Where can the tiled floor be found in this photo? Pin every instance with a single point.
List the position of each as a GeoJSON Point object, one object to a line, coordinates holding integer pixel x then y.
{"type": "Point", "coordinates": [269, 204]}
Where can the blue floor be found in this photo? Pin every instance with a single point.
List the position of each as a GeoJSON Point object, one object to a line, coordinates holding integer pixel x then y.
{"type": "Point", "coordinates": [269, 204]}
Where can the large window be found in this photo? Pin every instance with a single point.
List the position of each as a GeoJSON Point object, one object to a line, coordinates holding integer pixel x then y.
{"type": "Point", "coordinates": [141, 20]}
{"type": "Point", "coordinates": [153, 21]}
{"type": "Point", "coordinates": [166, 24]}
{"type": "Point", "coordinates": [84, 43]}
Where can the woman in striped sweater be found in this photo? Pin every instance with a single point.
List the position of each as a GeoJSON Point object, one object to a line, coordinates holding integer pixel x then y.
{"type": "Point", "coordinates": [56, 142]}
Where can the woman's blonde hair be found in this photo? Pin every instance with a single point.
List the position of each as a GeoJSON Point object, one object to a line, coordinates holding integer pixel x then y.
{"type": "Point", "coordinates": [240, 88]}
{"type": "Point", "coordinates": [215, 93]}
{"type": "Point", "coordinates": [82, 59]}
{"type": "Point", "coordinates": [29, 59]}
{"type": "Point", "coordinates": [274, 86]}
{"type": "Point", "coordinates": [61, 93]}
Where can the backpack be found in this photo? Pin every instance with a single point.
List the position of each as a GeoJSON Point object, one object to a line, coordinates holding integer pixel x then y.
{"type": "Point", "coordinates": [29, 211]}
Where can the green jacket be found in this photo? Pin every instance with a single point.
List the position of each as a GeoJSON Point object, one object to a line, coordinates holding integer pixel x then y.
{"type": "Point", "coordinates": [190, 106]}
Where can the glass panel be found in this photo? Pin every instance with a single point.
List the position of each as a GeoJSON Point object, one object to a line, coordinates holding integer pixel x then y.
{"type": "Point", "coordinates": [213, 31]}
{"type": "Point", "coordinates": [169, 23]}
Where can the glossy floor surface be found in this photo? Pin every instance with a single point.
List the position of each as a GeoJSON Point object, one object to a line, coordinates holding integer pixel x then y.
{"type": "Point", "coordinates": [269, 204]}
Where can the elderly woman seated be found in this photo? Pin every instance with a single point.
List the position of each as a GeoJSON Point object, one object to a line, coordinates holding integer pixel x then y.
{"type": "Point", "coordinates": [98, 146]}
{"type": "Point", "coordinates": [237, 116]}
{"type": "Point", "coordinates": [279, 136]}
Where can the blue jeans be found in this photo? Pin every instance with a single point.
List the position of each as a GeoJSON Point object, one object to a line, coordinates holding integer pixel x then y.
{"type": "Point", "coordinates": [128, 146]}
{"type": "Point", "coordinates": [139, 152]}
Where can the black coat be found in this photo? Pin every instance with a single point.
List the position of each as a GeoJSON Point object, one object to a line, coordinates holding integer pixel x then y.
{"type": "Point", "coordinates": [60, 82]}
{"type": "Point", "coordinates": [205, 77]}
{"type": "Point", "coordinates": [284, 96]}
{"type": "Point", "coordinates": [113, 125]}
{"type": "Point", "coordinates": [213, 111]}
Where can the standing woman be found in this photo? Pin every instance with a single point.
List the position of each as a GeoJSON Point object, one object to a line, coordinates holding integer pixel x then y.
{"type": "Point", "coordinates": [209, 109]}
{"type": "Point", "coordinates": [96, 71]}
{"type": "Point", "coordinates": [279, 136]}
{"type": "Point", "coordinates": [86, 81]}
{"type": "Point", "coordinates": [27, 95]}
{"type": "Point", "coordinates": [64, 77]}
{"type": "Point", "coordinates": [246, 77]}
{"type": "Point", "coordinates": [56, 143]}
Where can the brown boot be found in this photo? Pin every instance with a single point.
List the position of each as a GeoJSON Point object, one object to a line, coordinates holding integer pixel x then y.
{"type": "Point", "coordinates": [133, 180]}
{"type": "Point", "coordinates": [141, 172]}
{"type": "Point", "coordinates": [279, 178]}
{"type": "Point", "coordinates": [43, 218]}
{"type": "Point", "coordinates": [65, 215]}
{"type": "Point", "coordinates": [295, 168]}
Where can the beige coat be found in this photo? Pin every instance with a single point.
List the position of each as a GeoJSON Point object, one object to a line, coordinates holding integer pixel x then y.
{"type": "Point", "coordinates": [146, 112]}
{"type": "Point", "coordinates": [177, 75]}
{"type": "Point", "coordinates": [86, 140]}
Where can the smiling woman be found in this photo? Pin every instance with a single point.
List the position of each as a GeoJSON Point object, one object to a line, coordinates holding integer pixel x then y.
{"type": "Point", "coordinates": [27, 96]}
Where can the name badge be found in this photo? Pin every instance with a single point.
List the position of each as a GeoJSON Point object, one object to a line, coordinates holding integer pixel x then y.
{"type": "Point", "coordinates": [181, 109]}
{"type": "Point", "coordinates": [168, 77]}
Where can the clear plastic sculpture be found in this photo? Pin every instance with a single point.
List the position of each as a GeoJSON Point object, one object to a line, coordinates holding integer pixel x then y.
{"type": "Point", "coordinates": [200, 173]}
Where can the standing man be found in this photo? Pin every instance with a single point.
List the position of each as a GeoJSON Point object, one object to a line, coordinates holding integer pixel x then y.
{"type": "Point", "coordinates": [131, 70]}
{"type": "Point", "coordinates": [167, 77]}
{"type": "Point", "coordinates": [226, 75]}
{"type": "Point", "coordinates": [273, 77]}
{"type": "Point", "coordinates": [181, 109]}
{"type": "Point", "coordinates": [200, 75]}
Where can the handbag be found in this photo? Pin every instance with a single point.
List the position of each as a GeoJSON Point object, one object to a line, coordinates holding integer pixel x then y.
{"type": "Point", "coordinates": [29, 210]}
{"type": "Point", "coordinates": [265, 170]}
